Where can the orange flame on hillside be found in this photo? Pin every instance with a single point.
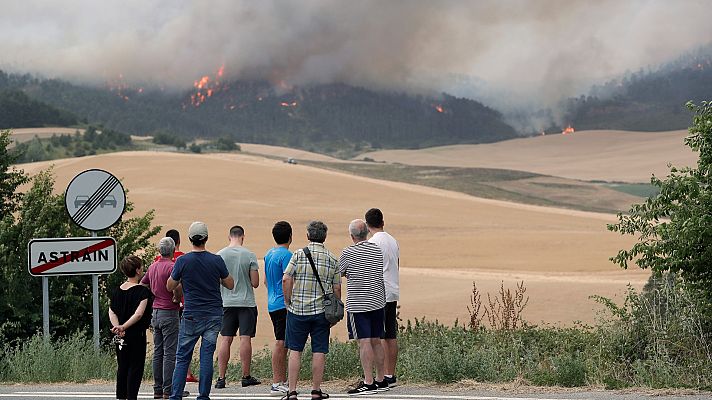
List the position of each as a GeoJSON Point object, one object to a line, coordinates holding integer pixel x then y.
{"type": "Point", "coordinates": [569, 129]}
{"type": "Point", "coordinates": [205, 87]}
{"type": "Point", "coordinates": [440, 108]}
{"type": "Point", "coordinates": [285, 104]}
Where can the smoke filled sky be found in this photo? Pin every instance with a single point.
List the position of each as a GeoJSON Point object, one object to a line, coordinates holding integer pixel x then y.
{"type": "Point", "coordinates": [549, 48]}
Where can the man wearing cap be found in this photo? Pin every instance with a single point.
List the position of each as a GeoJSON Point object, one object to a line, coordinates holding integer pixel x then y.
{"type": "Point", "coordinates": [200, 273]}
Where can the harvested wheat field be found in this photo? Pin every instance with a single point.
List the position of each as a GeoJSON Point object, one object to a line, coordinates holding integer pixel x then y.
{"type": "Point", "coordinates": [448, 240]}
{"type": "Point", "coordinates": [587, 155]}
{"type": "Point", "coordinates": [26, 134]}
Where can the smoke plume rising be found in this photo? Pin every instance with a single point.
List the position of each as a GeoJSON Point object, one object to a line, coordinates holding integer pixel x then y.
{"type": "Point", "coordinates": [525, 52]}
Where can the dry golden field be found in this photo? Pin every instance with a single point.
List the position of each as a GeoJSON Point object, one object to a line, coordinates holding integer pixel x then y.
{"type": "Point", "coordinates": [448, 239]}
{"type": "Point", "coordinates": [587, 155]}
{"type": "Point", "coordinates": [26, 134]}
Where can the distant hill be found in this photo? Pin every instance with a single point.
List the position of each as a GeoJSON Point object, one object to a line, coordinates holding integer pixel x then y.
{"type": "Point", "coordinates": [17, 110]}
{"type": "Point", "coordinates": [325, 118]}
{"type": "Point", "coordinates": [652, 100]}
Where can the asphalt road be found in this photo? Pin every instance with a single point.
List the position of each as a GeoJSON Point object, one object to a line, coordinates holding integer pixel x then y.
{"type": "Point", "coordinates": [337, 391]}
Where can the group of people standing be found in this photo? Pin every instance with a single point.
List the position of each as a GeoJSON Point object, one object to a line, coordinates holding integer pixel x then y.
{"type": "Point", "coordinates": [218, 296]}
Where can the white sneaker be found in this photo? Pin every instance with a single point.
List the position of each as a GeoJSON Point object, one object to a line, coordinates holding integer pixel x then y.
{"type": "Point", "coordinates": [279, 389]}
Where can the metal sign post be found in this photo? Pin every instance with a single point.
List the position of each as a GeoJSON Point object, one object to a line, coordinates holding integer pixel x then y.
{"type": "Point", "coordinates": [45, 308]}
{"type": "Point", "coordinates": [95, 303]}
{"type": "Point", "coordinates": [94, 200]}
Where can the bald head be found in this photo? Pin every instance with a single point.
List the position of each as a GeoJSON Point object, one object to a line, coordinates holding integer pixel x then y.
{"type": "Point", "coordinates": [358, 230]}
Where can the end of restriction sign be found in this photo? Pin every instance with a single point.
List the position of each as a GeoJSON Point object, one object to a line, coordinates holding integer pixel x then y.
{"type": "Point", "coordinates": [71, 256]}
{"type": "Point", "coordinates": [95, 199]}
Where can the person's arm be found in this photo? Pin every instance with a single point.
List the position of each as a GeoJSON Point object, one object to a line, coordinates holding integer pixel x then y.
{"type": "Point", "coordinates": [172, 284]}
{"type": "Point", "coordinates": [337, 291]}
{"type": "Point", "coordinates": [114, 321]}
{"type": "Point", "coordinates": [146, 280]}
{"type": "Point", "coordinates": [177, 294]}
{"type": "Point", "coordinates": [135, 317]}
{"type": "Point", "coordinates": [255, 278]}
{"type": "Point", "coordinates": [287, 285]}
{"type": "Point", "coordinates": [254, 271]}
{"type": "Point", "coordinates": [228, 282]}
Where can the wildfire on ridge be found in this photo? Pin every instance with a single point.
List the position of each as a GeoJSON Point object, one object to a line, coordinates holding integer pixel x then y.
{"type": "Point", "coordinates": [119, 87]}
{"type": "Point", "coordinates": [285, 104]}
{"type": "Point", "coordinates": [568, 130]}
{"type": "Point", "coordinates": [205, 87]}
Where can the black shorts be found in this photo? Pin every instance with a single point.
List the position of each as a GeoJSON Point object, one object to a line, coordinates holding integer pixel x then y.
{"type": "Point", "coordinates": [244, 318]}
{"type": "Point", "coordinates": [390, 322]}
{"type": "Point", "coordinates": [279, 323]}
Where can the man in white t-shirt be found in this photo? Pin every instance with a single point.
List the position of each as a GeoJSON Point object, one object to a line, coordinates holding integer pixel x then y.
{"type": "Point", "coordinates": [391, 257]}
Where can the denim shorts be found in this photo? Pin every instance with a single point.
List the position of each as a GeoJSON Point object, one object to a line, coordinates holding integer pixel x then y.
{"type": "Point", "coordinates": [301, 326]}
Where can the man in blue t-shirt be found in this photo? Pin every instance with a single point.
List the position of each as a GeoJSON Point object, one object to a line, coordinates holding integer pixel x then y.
{"type": "Point", "coordinates": [200, 273]}
{"type": "Point", "coordinates": [276, 261]}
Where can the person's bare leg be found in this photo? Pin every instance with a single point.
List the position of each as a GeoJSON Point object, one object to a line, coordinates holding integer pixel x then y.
{"type": "Point", "coordinates": [295, 358]}
{"type": "Point", "coordinates": [378, 357]}
{"type": "Point", "coordinates": [245, 354]}
{"type": "Point", "coordinates": [224, 355]}
{"type": "Point", "coordinates": [318, 361]}
{"type": "Point", "coordinates": [390, 348]}
{"type": "Point", "coordinates": [279, 362]}
{"type": "Point", "coordinates": [366, 356]}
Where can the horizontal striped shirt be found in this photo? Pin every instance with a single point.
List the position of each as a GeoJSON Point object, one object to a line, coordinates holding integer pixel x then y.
{"type": "Point", "coordinates": [362, 265]}
{"type": "Point", "coordinates": [307, 297]}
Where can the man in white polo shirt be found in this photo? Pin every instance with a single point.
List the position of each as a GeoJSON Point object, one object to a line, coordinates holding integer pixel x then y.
{"type": "Point", "coordinates": [391, 260]}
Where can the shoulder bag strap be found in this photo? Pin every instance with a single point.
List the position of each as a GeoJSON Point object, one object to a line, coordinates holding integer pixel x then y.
{"type": "Point", "coordinates": [311, 262]}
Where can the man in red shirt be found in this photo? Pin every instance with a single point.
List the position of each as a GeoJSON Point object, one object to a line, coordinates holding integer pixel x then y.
{"type": "Point", "coordinates": [173, 234]}
{"type": "Point", "coordinates": [165, 319]}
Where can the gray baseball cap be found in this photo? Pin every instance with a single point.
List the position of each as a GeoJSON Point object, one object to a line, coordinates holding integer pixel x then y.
{"type": "Point", "coordinates": [198, 229]}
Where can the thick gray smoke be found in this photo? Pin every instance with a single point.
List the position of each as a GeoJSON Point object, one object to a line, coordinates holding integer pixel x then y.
{"type": "Point", "coordinates": [526, 52]}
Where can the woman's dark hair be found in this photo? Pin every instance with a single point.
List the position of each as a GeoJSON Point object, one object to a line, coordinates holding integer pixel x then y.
{"type": "Point", "coordinates": [281, 232]}
{"type": "Point", "coordinates": [130, 265]}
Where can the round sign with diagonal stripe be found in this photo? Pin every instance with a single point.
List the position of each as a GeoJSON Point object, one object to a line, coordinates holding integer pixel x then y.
{"type": "Point", "coordinates": [95, 199]}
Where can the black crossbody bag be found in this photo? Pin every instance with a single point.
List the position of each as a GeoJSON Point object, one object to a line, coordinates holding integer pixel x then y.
{"type": "Point", "coordinates": [333, 306]}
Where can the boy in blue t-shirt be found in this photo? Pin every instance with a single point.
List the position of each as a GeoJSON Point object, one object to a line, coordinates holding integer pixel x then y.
{"type": "Point", "coordinates": [276, 261]}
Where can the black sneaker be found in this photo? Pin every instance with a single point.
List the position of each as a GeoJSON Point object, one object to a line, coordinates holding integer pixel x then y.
{"type": "Point", "coordinates": [220, 383]}
{"type": "Point", "coordinates": [249, 381]}
{"type": "Point", "coordinates": [391, 380]}
{"type": "Point", "coordinates": [363, 388]}
{"type": "Point", "coordinates": [382, 385]}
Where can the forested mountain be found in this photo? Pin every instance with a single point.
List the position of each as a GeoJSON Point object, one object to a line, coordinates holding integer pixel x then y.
{"type": "Point", "coordinates": [19, 111]}
{"type": "Point", "coordinates": [652, 100]}
{"type": "Point", "coordinates": [325, 118]}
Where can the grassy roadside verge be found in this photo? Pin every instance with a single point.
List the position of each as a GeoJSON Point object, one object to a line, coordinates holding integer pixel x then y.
{"type": "Point", "coordinates": [658, 339]}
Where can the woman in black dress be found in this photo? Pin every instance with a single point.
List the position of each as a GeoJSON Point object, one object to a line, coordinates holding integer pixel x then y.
{"type": "Point", "coordinates": [130, 316]}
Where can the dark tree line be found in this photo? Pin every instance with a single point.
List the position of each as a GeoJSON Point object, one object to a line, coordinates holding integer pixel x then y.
{"type": "Point", "coordinates": [317, 117]}
{"type": "Point", "coordinates": [17, 110]}
{"type": "Point", "coordinates": [648, 100]}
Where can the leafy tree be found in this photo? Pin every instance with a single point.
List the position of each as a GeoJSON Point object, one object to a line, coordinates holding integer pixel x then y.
{"type": "Point", "coordinates": [10, 177]}
{"type": "Point", "coordinates": [41, 213]}
{"type": "Point", "coordinates": [195, 148]}
{"type": "Point", "coordinates": [226, 143]}
{"type": "Point", "coordinates": [674, 228]}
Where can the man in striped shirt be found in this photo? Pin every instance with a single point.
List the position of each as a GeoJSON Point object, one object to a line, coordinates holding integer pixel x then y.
{"type": "Point", "coordinates": [362, 265]}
